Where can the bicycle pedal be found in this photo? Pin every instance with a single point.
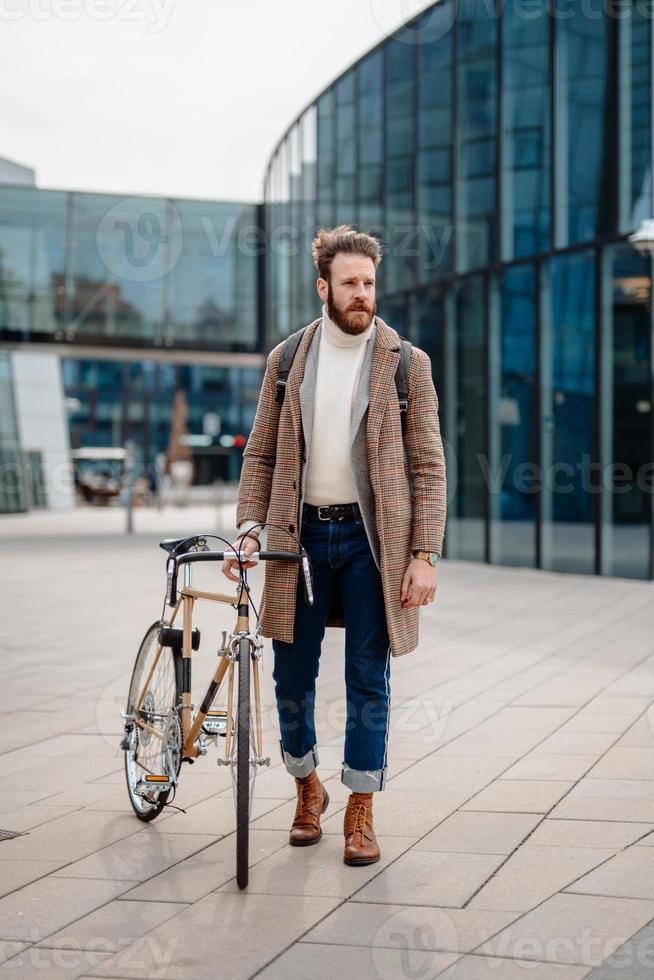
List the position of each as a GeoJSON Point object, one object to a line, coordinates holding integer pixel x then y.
{"type": "Point", "coordinates": [215, 723]}
{"type": "Point", "coordinates": [153, 782]}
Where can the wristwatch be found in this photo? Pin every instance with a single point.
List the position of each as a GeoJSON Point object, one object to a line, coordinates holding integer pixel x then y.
{"type": "Point", "coordinates": [431, 556]}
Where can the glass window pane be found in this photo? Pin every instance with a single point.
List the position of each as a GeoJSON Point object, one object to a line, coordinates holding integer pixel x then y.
{"type": "Point", "coordinates": [585, 170]}
{"type": "Point", "coordinates": [626, 413]}
{"type": "Point", "coordinates": [568, 399]}
{"type": "Point", "coordinates": [401, 248]}
{"type": "Point", "coordinates": [634, 115]}
{"type": "Point", "coordinates": [513, 461]}
{"type": "Point", "coordinates": [32, 261]}
{"type": "Point", "coordinates": [434, 158]}
{"type": "Point", "coordinates": [212, 288]}
{"type": "Point", "coordinates": [465, 421]}
{"type": "Point", "coordinates": [526, 131]}
{"type": "Point", "coordinates": [477, 123]}
{"type": "Point", "coordinates": [121, 249]}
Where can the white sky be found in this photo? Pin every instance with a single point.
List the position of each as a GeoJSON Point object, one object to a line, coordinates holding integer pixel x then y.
{"type": "Point", "coordinates": [175, 97]}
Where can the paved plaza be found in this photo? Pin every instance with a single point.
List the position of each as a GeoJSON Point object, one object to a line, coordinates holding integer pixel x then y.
{"type": "Point", "coordinates": [516, 829]}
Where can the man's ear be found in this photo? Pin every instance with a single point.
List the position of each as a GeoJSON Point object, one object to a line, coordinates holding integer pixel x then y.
{"type": "Point", "coordinates": [322, 287]}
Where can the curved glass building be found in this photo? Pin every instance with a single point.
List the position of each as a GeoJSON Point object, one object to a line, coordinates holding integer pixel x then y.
{"type": "Point", "coordinates": [502, 153]}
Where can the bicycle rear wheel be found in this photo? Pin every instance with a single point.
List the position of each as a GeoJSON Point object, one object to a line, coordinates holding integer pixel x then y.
{"type": "Point", "coordinates": [243, 765]}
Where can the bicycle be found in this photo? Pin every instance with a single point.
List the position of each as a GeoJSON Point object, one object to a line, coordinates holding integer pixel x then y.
{"type": "Point", "coordinates": [160, 729]}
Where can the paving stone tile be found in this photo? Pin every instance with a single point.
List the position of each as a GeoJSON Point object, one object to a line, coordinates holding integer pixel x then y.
{"type": "Point", "coordinates": [576, 743]}
{"type": "Point", "coordinates": [138, 857]}
{"type": "Point", "coordinates": [221, 925]}
{"type": "Point", "coordinates": [430, 878]}
{"type": "Point", "coordinates": [201, 873]}
{"type": "Point", "coordinates": [573, 929]}
{"type": "Point", "coordinates": [414, 927]}
{"type": "Point", "coordinates": [538, 765]}
{"type": "Point", "coordinates": [352, 963]}
{"type": "Point", "coordinates": [477, 832]}
{"type": "Point", "coordinates": [15, 874]}
{"type": "Point", "coordinates": [56, 964]}
{"type": "Point", "coordinates": [113, 926]}
{"type": "Point", "coordinates": [519, 796]}
{"type": "Point", "coordinates": [532, 874]}
{"type": "Point", "coordinates": [317, 870]}
{"type": "Point", "coordinates": [46, 906]}
{"type": "Point", "coordinates": [70, 837]}
{"type": "Point", "coordinates": [629, 874]}
{"type": "Point", "coordinates": [9, 949]}
{"type": "Point", "coordinates": [634, 960]}
{"type": "Point", "coordinates": [625, 762]}
{"type": "Point", "coordinates": [588, 833]}
{"type": "Point", "coordinates": [475, 967]}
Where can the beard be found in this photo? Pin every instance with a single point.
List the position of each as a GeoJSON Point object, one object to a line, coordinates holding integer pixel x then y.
{"type": "Point", "coordinates": [354, 319]}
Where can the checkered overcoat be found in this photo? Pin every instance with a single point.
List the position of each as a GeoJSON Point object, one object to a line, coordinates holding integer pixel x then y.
{"type": "Point", "coordinates": [408, 488]}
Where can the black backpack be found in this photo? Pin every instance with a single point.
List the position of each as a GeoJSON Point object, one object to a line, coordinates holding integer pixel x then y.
{"type": "Point", "coordinates": [401, 375]}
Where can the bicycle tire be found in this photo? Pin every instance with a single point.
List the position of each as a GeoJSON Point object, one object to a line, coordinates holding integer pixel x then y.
{"type": "Point", "coordinates": [147, 810]}
{"type": "Point", "coordinates": [243, 765]}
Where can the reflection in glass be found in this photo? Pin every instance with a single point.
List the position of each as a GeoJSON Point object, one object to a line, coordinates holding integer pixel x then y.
{"type": "Point", "coordinates": [32, 260]}
{"type": "Point", "coordinates": [477, 124]}
{"type": "Point", "coordinates": [513, 473]}
{"type": "Point", "coordinates": [12, 484]}
{"type": "Point", "coordinates": [634, 115]}
{"type": "Point", "coordinates": [399, 264]}
{"type": "Point", "coordinates": [568, 413]}
{"type": "Point", "coordinates": [466, 421]}
{"type": "Point", "coordinates": [212, 292]}
{"type": "Point", "coordinates": [626, 406]}
{"type": "Point", "coordinates": [434, 157]}
{"type": "Point", "coordinates": [525, 131]}
{"type": "Point", "coordinates": [584, 168]}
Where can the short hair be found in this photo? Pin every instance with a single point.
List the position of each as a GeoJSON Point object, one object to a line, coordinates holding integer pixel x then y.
{"type": "Point", "coordinates": [330, 241]}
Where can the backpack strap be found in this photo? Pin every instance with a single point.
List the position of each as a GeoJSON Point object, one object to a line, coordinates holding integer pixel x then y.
{"type": "Point", "coordinates": [291, 345]}
{"type": "Point", "coordinates": [402, 380]}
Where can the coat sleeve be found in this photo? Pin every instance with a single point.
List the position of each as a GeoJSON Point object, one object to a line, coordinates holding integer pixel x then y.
{"type": "Point", "coordinates": [425, 457]}
{"type": "Point", "coordinates": [260, 453]}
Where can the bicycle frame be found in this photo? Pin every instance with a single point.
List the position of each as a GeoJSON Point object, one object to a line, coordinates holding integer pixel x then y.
{"type": "Point", "coordinates": [192, 725]}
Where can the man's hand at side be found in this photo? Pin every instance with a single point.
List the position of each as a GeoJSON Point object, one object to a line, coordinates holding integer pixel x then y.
{"type": "Point", "coordinates": [419, 584]}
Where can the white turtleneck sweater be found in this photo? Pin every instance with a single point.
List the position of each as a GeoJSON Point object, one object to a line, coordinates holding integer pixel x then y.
{"type": "Point", "coordinates": [329, 478]}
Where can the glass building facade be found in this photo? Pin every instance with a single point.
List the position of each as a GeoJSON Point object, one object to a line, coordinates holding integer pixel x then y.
{"type": "Point", "coordinates": [140, 297]}
{"type": "Point", "coordinates": [502, 154]}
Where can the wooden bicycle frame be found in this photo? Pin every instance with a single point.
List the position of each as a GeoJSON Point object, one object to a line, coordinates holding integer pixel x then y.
{"type": "Point", "coordinates": [191, 726]}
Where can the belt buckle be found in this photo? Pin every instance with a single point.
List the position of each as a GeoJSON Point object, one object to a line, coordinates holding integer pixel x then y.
{"type": "Point", "coordinates": [320, 507]}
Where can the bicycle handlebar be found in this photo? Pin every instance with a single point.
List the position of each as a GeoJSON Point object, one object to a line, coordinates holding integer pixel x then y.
{"type": "Point", "coordinates": [191, 556]}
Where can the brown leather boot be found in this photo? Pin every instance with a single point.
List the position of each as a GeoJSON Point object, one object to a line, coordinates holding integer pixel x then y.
{"type": "Point", "coordinates": [312, 800]}
{"type": "Point", "coordinates": [361, 845]}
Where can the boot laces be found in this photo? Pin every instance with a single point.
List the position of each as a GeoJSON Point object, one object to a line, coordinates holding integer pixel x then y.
{"type": "Point", "coordinates": [357, 820]}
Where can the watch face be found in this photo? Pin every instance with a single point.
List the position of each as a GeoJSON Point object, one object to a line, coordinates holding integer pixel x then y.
{"type": "Point", "coordinates": [433, 558]}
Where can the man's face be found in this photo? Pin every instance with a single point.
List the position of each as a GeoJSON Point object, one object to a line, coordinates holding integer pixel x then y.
{"type": "Point", "coordinates": [350, 294]}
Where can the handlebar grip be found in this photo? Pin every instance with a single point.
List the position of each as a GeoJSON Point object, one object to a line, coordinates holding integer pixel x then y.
{"type": "Point", "coordinates": [279, 555]}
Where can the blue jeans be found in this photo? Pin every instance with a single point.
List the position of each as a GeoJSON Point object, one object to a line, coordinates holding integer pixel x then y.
{"type": "Point", "coordinates": [341, 559]}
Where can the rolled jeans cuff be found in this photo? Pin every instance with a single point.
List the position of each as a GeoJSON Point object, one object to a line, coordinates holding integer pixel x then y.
{"type": "Point", "coordinates": [299, 765]}
{"type": "Point", "coordinates": [363, 780]}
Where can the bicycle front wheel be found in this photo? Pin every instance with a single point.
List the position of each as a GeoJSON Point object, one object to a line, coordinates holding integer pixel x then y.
{"type": "Point", "coordinates": [243, 765]}
{"type": "Point", "coordinates": [153, 735]}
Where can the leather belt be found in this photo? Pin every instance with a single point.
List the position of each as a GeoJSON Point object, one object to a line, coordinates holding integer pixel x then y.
{"type": "Point", "coordinates": [333, 512]}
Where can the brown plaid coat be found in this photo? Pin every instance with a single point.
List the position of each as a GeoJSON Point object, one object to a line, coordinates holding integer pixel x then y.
{"type": "Point", "coordinates": [409, 488]}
